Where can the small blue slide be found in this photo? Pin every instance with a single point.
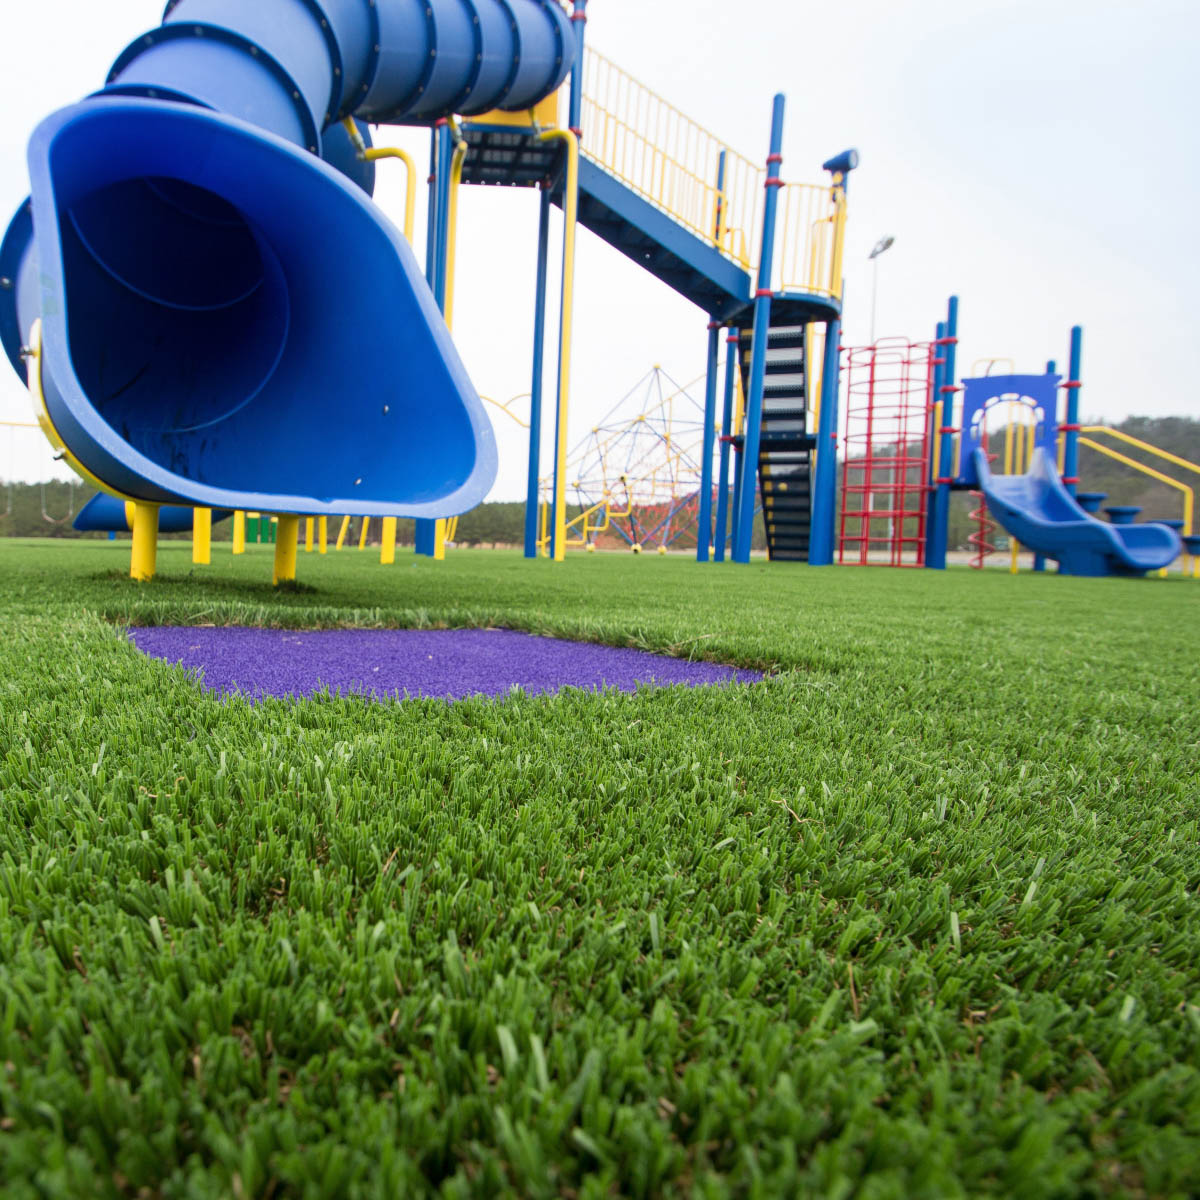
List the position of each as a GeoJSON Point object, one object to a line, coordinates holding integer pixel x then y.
{"type": "Point", "coordinates": [1041, 514]}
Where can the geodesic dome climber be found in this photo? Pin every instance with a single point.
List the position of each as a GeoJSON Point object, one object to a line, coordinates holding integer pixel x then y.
{"type": "Point", "coordinates": [634, 480]}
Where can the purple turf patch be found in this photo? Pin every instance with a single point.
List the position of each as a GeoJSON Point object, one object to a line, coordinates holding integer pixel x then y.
{"type": "Point", "coordinates": [446, 664]}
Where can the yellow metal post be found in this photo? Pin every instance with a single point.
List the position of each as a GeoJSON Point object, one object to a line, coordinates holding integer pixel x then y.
{"type": "Point", "coordinates": [341, 537]}
{"type": "Point", "coordinates": [287, 539]}
{"type": "Point", "coordinates": [309, 530]}
{"type": "Point", "coordinates": [202, 536]}
{"type": "Point", "coordinates": [239, 532]}
{"type": "Point", "coordinates": [145, 542]}
{"type": "Point", "coordinates": [323, 535]}
{"type": "Point", "coordinates": [456, 171]}
{"type": "Point", "coordinates": [387, 548]}
{"type": "Point", "coordinates": [366, 529]}
{"type": "Point", "coordinates": [571, 215]}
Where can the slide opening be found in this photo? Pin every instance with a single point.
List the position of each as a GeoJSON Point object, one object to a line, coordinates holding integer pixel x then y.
{"type": "Point", "coordinates": [178, 311]}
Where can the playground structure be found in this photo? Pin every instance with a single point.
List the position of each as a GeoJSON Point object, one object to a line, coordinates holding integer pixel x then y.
{"type": "Point", "coordinates": [635, 479]}
{"type": "Point", "coordinates": [1010, 442]}
{"type": "Point", "coordinates": [211, 204]}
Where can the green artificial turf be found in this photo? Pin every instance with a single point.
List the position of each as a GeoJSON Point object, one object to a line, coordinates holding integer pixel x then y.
{"type": "Point", "coordinates": [916, 917]}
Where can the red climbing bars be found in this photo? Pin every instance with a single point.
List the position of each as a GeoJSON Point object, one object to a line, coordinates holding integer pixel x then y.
{"type": "Point", "coordinates": [885, 473]}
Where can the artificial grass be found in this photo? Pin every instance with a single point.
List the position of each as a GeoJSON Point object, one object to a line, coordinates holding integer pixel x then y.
{"type": "Point", "coordinates": [916, 917]}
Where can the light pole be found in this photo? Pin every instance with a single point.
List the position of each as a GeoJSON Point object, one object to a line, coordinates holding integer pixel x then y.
{"type": "Point", "coordinates": [884, 243]}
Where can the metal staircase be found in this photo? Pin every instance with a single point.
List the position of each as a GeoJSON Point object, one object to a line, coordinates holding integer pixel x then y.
{"type": "Point", "coordinates": [785, 451]}
{"type": "Point", "coordinates": [689, 210]}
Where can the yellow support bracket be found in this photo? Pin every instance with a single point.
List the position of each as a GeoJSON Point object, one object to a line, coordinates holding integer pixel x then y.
{"type": "Point", "coordinates": [379, 154]}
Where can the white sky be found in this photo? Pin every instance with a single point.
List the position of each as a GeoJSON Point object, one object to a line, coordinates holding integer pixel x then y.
{"type": "Point", "coordinates": [1039, 157]}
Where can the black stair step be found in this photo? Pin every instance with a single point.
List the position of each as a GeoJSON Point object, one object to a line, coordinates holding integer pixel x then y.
{"type": "Point", "coordinates": [790, 557]}
{"type": "Point", "coordinates": [785, 366]}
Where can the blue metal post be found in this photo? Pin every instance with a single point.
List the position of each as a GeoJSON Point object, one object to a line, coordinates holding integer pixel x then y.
{"type": "Point", "coordinates": [425, 535]}
{"type": "Point", "coordinates": [704, 530]}
{"type": "Point", "coordinates": [738, 475]}
{"type": "Point", "coordinates": [579, 25]}
{"type": "Point", "coordinates": [1039, 560]}
{"type": "Point", "coordinates": [932, 540]}
{"type": "Point", "coordinates": [820, 547]}
{"type": "Point", "coordinates": [744, 531]}
{"type": "Point", "coordinates": [1071, 426]}
{"type": "Point", "coordinates": [945, 393]}
{"type": "Point", "coordinates": [431, 223]}
{"type": "Point", "coordinates": [539, 359]}
{"type": "Point", "coordinates": [731, 365]}
{"type": "Point", "coordinates": [445, 155]}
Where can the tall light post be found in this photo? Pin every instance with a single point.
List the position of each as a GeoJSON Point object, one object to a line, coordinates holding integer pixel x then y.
{"type": "Point", "coordinates": [884, 243]}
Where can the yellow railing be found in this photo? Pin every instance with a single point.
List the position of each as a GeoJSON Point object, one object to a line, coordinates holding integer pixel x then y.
{"type": "Point", "coordinates": [1189, 495]}
{"type": "Point", "coordinates": [675, 163]}
{"type": "Point", "coordinates": [1121, 436]}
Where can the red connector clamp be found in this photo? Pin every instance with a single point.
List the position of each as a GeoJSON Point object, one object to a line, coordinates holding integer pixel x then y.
{"type": "Point", "coordinates": [1069, 428]}
{"type": "Point", "coordinates": [1072, 383]}
{"type": "Point", "coordinates": [1070, 479]}
{"type": "Point", "coordinates": [949, 387]}
{"type": "Point", "coordinates": [762, 292]}
{"type": "Point", "coordinates": [949, 429]}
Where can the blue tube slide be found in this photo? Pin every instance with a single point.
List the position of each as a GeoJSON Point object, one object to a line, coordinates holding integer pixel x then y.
{"type": "Point", "coordinates": [228, 320]}
{"type": "Point", "coordinates": [106, 514]}
{"type": "Point", "coordinates": [1041, 514]}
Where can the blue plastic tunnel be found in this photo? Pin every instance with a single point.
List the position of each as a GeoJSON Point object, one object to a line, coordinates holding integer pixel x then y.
{"type": "Point", "coordinates": [106, 514]}
{"type": "Point", "coordinates": [228, 319]}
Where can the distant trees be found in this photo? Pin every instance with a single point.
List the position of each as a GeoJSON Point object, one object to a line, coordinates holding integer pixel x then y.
{"type": "Point", "coordinates": [47, 510]}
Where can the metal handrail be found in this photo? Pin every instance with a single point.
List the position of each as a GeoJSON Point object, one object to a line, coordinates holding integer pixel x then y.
{"type": "Point", "coordinates": [1165, 455]}
{"type": "Point", "coordinates": [675, 163]}
{"type": "Point", "coordinates": [1189, 494]}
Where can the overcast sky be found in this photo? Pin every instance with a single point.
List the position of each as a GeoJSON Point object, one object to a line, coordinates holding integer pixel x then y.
{"type": "Point", "coordinates": [1038, 157]}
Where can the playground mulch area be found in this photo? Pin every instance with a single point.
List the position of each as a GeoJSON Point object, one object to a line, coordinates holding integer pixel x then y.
{"type": "Point", "coordinates": [914, 916]}
{"type": "Point", "coordinates": [447, 664]}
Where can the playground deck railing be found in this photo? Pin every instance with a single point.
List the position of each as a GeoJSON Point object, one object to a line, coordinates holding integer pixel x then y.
{"type": "Point", "coordinates": [706, 186]}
